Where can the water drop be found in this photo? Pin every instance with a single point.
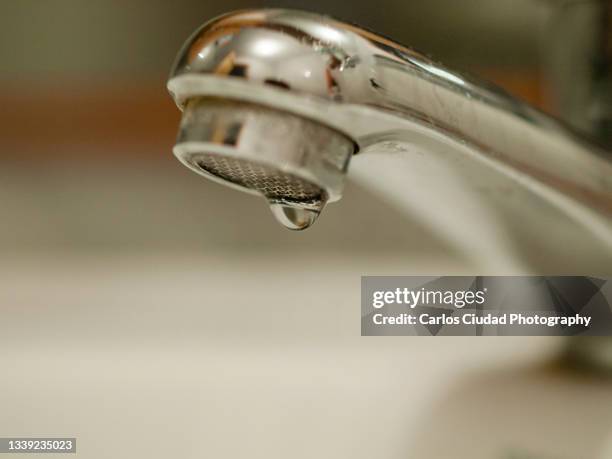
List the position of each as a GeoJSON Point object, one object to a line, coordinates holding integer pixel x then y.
{"type": "Point", "coordinates": [294, 217]}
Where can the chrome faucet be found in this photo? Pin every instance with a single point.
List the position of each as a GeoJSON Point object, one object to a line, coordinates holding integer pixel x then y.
{"type": "Point", "coordinates": [278, 103]}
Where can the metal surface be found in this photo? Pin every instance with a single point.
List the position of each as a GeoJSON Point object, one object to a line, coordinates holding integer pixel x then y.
{"type": "Point", "coordinates": [269, 181]}
{"type": "Point", "coordinates": [289, 160]}
{"type": "Point", "coordinates": [389, 99]}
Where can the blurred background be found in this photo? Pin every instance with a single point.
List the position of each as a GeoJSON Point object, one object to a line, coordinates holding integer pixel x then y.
{"type": "Point", "coordinates": [152, 313]}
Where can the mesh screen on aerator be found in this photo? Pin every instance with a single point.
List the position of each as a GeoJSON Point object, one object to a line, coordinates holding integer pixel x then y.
{"type": "Point", "coordinates": [267, 180]}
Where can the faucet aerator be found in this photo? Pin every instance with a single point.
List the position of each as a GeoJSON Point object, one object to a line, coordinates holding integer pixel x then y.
{"type": "Point", "coordinates": [296, 164]}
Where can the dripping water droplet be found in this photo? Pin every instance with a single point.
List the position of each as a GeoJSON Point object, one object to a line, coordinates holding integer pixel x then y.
{"type": "Point", "coordinates": [294, 217]}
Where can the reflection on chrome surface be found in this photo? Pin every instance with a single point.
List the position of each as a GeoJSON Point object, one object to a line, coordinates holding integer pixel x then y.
{"type": "Point", "coordinates": [352, 84]}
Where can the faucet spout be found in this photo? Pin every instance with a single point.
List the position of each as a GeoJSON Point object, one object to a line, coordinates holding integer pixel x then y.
{"type": "Point", "coordinates": [295, 96]}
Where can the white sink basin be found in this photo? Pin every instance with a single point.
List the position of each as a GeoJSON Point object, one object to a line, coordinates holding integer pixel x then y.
{"type": "Point", "coordinates": [166, 355]}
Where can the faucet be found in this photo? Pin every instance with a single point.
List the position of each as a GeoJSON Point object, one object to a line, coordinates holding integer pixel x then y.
{"type": "Point", "coordinates": [278, 103]}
